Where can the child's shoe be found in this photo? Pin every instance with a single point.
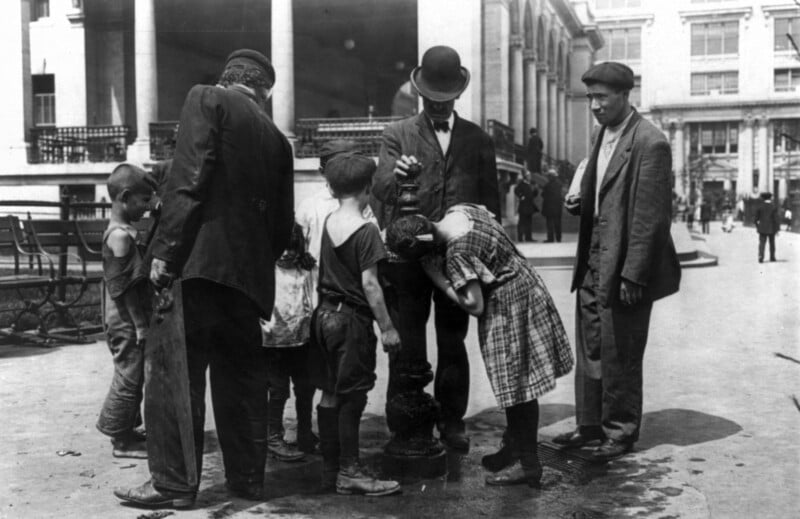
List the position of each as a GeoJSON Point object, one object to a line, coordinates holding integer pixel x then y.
{"type": "Point", "coordinates": [128, 447]}
{"type": "Point", "coordinates": [353, 480]}
{"type": "Point", "coordinates": [282, 451]}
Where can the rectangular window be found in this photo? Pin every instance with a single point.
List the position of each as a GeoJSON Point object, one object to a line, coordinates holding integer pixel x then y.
{"type": "Point", "coordinates": [786, 136]}
{"type": "Point", "coordinates": [705, 83]}
{"type": "Point", "coordinates": [621, 44]}
{"type": "Point", "coordinates": [635, 96]}
{"type": "Point", "coordinates": [714, 138]}
{"type": "Point", "coordinates": [784, 26]}
{"type": "Point", "coordinates": [713, 39]}
{"type": "Point", "coordinates": [787, 79]}
{"type": "Point", "coordinates": [44, 99]}
{"type": "Point", "coordinates": [41, 9]}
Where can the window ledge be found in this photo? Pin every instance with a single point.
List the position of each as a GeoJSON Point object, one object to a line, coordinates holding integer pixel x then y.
{"type": "Point", "coordinates": [716, 13]}
{"type": "Point", "coordinates": [777, 10]}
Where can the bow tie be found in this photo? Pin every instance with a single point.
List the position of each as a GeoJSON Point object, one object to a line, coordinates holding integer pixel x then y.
{"type": "Point", "coordinates": [441, 126]}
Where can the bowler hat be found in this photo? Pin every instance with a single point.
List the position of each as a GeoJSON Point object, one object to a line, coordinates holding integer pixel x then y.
{"type": "Point", "coordinates": [440, 77]}
{"type": "Point", "coordinates": [610, 73]}
{"type": "Point", "coordinates": [253, 57]}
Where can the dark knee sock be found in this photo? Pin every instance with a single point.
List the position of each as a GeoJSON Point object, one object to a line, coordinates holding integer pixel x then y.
{"type": "Point", "coordinates": [328, 424]}
{"type": "Point", "coordinates": [303, 402]}
{"type": "Point", "coordinates": [523, 425]}
{"type": "Point", "coordinates": [350, 409]}
{"type": "Point", "coordinates": [275, 415]}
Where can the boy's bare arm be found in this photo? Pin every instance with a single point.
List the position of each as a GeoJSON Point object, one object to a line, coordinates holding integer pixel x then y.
{"type": "Point", "coordinates": [372, 290]}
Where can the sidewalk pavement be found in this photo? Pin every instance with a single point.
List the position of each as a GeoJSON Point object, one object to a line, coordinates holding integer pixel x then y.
{"type": "Point", "coordinates": [719, 437]}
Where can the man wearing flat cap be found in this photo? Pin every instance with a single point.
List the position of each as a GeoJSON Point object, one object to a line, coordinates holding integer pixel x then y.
{"type": "Point", "coordinates": [458, 166]}
{"type": "Point", "coordinates": [225, 218]}
{"type": "Point", "coordinates": [625, 261]}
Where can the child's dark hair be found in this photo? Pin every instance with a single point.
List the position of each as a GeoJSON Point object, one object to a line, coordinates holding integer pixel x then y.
{"type": "Point", "coordinates": [348, 173]}
{"type": "Point", "coordinates": [402, 237]}
{"type": "Point", "coordinates": [129, 177]}
{"type": "Point", "coordinates": [296, 255]}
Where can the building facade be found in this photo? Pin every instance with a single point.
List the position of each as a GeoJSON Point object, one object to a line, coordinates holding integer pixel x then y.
{"type": "Point", "coordinates": [721, 78]}
{"type": "Point", "coordinates": [96, 82]}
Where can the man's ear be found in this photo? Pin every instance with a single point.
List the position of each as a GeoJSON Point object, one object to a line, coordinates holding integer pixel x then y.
{"type": "Point", "coordinates": [125, 195]}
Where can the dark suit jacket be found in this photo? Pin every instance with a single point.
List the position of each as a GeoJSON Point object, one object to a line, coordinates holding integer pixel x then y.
{"type": "Point", "coordinates": [468, 173]}
{"type": "Point", "coordinates": [634, 216]}
{"type": "Point", "coordinates": [552, 197]}
{"type": "Point", "coordinates": [767, 219]}
{"type": "Point", "coordinates": [228, 199]}
{"type": "Point", "coordinates": [526, 194]}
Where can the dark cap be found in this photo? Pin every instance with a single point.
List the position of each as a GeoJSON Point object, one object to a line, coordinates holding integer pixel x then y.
{"type": "Point", "coordinates": [610, 73]}
{"type": "Point", "coordinates": [331, 148]}
{"type": "Point", "coordinates": [252, 58]}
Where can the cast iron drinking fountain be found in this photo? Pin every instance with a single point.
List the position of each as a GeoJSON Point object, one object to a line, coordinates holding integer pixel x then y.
{"type": "Point", "coordinates": [411, 413]}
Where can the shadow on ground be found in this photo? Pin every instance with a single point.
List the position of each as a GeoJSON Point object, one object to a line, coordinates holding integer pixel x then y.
{"type": "Point", "coordinates": [632, 485]}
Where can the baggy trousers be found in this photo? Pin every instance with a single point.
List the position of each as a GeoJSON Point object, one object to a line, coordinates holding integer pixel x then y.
{"type": "Point", "coordinates": [408, 292]}
{"type": "Point", "coordinates": [610, 344]}
{"type": "Point", "coordinates": [222, 336]}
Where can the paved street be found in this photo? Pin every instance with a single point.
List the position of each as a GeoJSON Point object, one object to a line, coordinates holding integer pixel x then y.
{"type": "Point", "coordinates": [719, 437]}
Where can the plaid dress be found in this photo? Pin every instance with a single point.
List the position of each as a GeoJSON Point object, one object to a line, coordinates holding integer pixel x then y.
{"type": "Point", "coordinates": [522, 339]}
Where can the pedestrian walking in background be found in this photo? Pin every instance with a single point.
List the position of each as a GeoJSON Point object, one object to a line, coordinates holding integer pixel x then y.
{"type": "Point", "coordinates": [226, 216]}
{"type": "Point", "coordinates": [705, 216]}
{"type": "Point", "coordinates": [768, 223]}
{"type": "Point", "coordinates": [533, 152]}
{"type": "Point", "coordinates": [727, 219]}
{"type": "Point", "coordinates": [469, 258]}
{"type": "Point", "coordinates": [526, 207]}
{"type": "Point", "coordinates": [625, 261]}
{"type": "Point", "coordinates": [552, 206]}
{"type": "Point", "coordinates": [286, 336]}
{"type": "Point", "coordinates": [127, 309]}
{"type": "Point", "coordinates": [458, 165]}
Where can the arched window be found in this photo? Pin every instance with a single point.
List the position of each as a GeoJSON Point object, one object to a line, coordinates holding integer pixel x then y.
{"type": "Point", "coordinates": [551, 53]}
{"type": "Point", "coordinates": [514, 14]}
{"type": "Point", "coordinates": [528, 26]}
{"type": "Point", "coordinates": [540, 48]}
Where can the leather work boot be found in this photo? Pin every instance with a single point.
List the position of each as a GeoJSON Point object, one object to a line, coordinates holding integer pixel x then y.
{"type": "Point", "coordinates": [353, 480]}
{"type": "Point", "coordinates": [282, 451]}
{"type": "Point", "coordinates": [517, 474]}
{"type": "Point", "coordinates": [148, 496]}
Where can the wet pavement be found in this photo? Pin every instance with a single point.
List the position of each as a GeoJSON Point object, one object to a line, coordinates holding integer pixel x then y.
{"type": "Point", "coordinates": [719, 437]}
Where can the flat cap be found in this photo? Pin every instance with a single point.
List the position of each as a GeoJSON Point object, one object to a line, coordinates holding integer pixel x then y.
{"type": "Point", "coordinates": [609, 73]}
{"type": "Point", "coordinates": [254, 58]}
{"type": "Point", "coordinates": [332, 147]}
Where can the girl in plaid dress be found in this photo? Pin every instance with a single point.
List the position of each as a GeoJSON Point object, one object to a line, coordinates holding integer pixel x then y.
{"type": "Point", "coordinates": [468, 255]}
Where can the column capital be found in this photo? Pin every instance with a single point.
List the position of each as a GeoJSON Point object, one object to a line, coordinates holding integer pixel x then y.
{"type": "Point", "coordinates": [749, 121]}
{"type": "Point", "coordinates": [552, 76]}
{"type": "Point", "coordinates": [677, 124]}
{"type": "Point", "coordinates": [529, 55]}
{"type": "Point", "coordinates": [515, 41]}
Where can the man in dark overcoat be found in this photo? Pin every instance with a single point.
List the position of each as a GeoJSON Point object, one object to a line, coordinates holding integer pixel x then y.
{"type": "Point", "coordinates": [226, 215]}
{"type": "Point", "coordinates": [458, 165]}
{"type": "Point", "coordinates": [768, 223]}
{"type": "Point", "coordinates": [625, 261]}
{"type": "Point", "coordinates": [526, 194]}
{"type": "Point", "coordinates": [533, 151]}
{"type": "Point", "coordinates": [552, 206]}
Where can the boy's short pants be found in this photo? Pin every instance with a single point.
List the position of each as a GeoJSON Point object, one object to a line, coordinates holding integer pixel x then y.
{"type": "Point", "coordinates": [343, 348]}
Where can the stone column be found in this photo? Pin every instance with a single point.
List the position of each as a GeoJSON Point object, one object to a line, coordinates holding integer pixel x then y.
{"type": "Point", "coordinates": [552, 117]}
{"type": "Point", "coordinates": [530, 93]}
{"type": "Point", "coordinates": [764, 171]}
{"type": "Point", "coordinates": [726, 184]}
{"type": "Point", "coordinates": [562, 123]}
{"type": "Point", "coordinates": [146, 79]}
{"type": "Point", "coordinates": [542, 114]}
{"type": "Point", "coordinates": [783, 188]}
{"type": "Point", "coordinates": [744, 181]}
{"type": "Point", "coordinates": [13, 149]}
{"type": "Point", "coordinates": [517, 107]}
{"type": "Point", "coordinates": [679, 158]}
{"type": "Point", "coordinates": [283, 61]}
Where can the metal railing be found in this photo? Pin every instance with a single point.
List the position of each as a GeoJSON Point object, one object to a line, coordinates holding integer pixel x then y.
{"type": "Point", "coordinates": [78, 144]}
{"type": "Point", "coordinates": [364, 131]}
{"type": "Point", "coordinates": [162, 139]}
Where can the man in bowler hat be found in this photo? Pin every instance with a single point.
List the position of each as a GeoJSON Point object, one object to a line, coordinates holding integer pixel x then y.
{"type": "Point", "coordinates": [226, 217]}
{"type": "Point", "coordinates": [768, 223]}
{"type": "Point", "coordinates": [458, 165]}
{"type": "Point", "coordinates": [625, 261]}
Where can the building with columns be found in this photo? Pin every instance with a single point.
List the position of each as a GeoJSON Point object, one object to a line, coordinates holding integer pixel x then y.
{"type": "Point", "coordinates": [91, 83]}
{"type": "Point", "coordinates": [722, 80]}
